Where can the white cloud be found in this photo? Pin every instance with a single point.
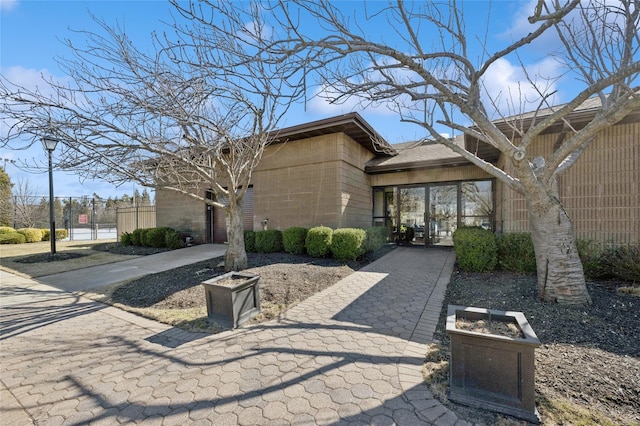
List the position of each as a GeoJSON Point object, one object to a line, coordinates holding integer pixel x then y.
{"type": "Point", "coordinates": [6, 5]}
{"type": "Point", "coordinates": [322, 103]}
{"type": "Point", "coordinates": [521, 26]}
{"type": "Point", "coordinates": [28, 78]}
{"type": "Point", "coordinates": [508, 88]}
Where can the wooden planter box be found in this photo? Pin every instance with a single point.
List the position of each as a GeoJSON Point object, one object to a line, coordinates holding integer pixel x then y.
{"type": "Point", "coordinates": [492, 371]}
{"type": "Point", "coordinates": [235, 301]}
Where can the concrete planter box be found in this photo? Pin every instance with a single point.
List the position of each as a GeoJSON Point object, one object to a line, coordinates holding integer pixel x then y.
{"type": "Point", "coordinates": [492, 371]}
{"type": "Point", "coordinates": [233, 297]}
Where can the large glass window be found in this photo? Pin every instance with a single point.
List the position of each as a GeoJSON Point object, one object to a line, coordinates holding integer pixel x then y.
{"type": "Point", "coordinates": [477, 204]}
{"type": "Point", "coordinates": [430, 213]}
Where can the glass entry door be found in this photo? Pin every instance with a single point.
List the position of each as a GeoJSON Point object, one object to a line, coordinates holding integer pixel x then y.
{"type": "Point", "coordinates": [443, 214]}
{"type": "Point", "coordinates": [412, 215]}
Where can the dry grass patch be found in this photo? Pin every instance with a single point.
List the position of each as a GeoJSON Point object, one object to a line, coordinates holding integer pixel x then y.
{"type": "Point", "coordinates": [12, 257]}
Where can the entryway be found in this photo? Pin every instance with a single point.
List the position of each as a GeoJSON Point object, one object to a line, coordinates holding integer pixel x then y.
{"type": "Point", "coordinates": [428, 214]}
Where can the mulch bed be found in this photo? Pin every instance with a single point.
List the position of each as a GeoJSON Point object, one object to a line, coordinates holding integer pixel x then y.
{"type": "Point", "coordinates": [590, 356]}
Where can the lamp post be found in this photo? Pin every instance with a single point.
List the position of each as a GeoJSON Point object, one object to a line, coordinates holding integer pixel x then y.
{"type": "Point", "coordinates": [49, 145]}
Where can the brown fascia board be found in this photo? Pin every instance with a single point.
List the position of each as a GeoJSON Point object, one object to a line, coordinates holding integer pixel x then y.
{"type": "Point", "coordinates": [351, 124]}
{"type": "Point", "coordinates": [417, 165]}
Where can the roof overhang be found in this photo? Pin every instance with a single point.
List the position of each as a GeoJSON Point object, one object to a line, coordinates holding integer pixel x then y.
{"type": "Point", "coordinates": [576, 119]}
{"type": "Point", "coordinates": [352, 125]}
{"type": "Point", "coordinates": [416, 165]}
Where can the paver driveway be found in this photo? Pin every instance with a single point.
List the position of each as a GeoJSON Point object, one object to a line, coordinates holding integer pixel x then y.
{"type": "Point", "coordinates": [350, 354]}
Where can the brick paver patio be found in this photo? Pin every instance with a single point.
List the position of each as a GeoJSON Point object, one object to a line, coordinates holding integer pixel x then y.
{"type": "Point", "coordinates": [351, 354]}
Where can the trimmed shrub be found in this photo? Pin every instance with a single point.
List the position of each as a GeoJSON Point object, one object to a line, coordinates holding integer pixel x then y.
{"type": "Point", "coordinates": [269, 241]}
{"type": "Point", "coordinates": [625, 263]}
{"type": "Point", "coordinates": [250, 241]}
{"type": "Point", "coordinates": [61, 234]}
{"type": "Point", "coordinates": [375, 239]}
{"type": "Point", "coordinates": [173, 240]}
{"type": "Point", "coordinates": [347, 243]}
{"type": "Point", "coordinates": [476, 249]}
{"type": "Point", "coordinates": [136, 236]}
{"type": "Point", "coordinates": [6, 230]}
{"type": "Point", "coordinates": [516, 253]}
{"type": "Point", "coordinates": [157, 237]}
{"type": "Point", "coordinates": [12, 238]}
{"type": "Point", "coordinates": [126, 239]}
{"type": "Point", "coordinates": [318, 241]}
{"type": "Point", "coordinates": [31, 235]}
{"type": "Point", "coordinates": [293, 239]}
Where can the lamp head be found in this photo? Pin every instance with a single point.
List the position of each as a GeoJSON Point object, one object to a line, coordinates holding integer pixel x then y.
{"type": "Point", "coordinates": [49, 143]}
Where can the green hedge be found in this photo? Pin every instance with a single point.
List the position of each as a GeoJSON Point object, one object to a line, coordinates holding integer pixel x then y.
{"type": "Point", "coordinates": [173, 239]}
{"type": "Point", "coordinates": [31, 235]}
{"type": "Point", "coordinates": [160, 237]}
{"type": "Point", "coordinates": [516, 253]}
{"type": "Point", "coordinates": [375, 239]}
{"type": "Point", "coordinates": [61, 234]}
{"type": "Point", "coordinates": [126, 239]}
{"type": "Point", "coordinates": [156, 237]}
{"type": "Point", "coordinates": [269, 241]}
{"type": "Point", "coordinates": [250, 241]}
{"type": "Point", "coordinates": [6, 230]}
{"type": "Point", "coordinates": [475, 248]}
{"type": "Point", "coordinates": [318, 241]}
{"type": "Point", "coordinates": [12, 238]}
{"type": "Point", "coordinates": [293, 239]}
{"type": "Point", "coordinates": [600, 261]}
{"type": "Point", "coordinates": [348, 243]}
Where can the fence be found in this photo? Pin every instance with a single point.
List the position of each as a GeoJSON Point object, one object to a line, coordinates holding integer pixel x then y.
{"type": "Point", "coordinates": [129, 219]}
{"type": "Point", "coordinates": [85, 218]}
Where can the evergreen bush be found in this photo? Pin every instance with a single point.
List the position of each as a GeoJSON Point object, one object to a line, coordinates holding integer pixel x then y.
{"type": "Point", "coordinates": [375, 239]}
{"type": "Point", "coordinates": [12, 238]}
{"type": "Point", "coordinates": [293, 239]}
{"type": "Point", "coordinates": [250, 241]}
{"type": "Point", "coordinates": [173, 240]}
{"type": "Point", "coordinates": [126, 239]}
{"type": "Point", "coordinates": [61, 234]}
{"type": "Point", "coordinates": [157, 237]}
{"type": "Point", "coordinates": [475, 248]}
{"type": "Point", "coordinates": [318, 241]}
{"type": "Point", "coordinates": [6, 230]}
{"type": "Point", "coordinates": [136, 236]}
{"type": "Point", "coordinates": [31, 235]}
{"type": "Point", "coordinates": [269, 241]}
{"type": "Point", "coordinates": [348, 243]}
{"type": "Point", "coordinates": [623, 262]}
{"type": "Point", "coordinates": [516, 253]}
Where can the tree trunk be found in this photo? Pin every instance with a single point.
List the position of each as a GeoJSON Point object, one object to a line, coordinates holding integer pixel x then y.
{"type": "Point", "coordinates": [560, 273]}
{"type": "Point", "coordinates": [236, 257]}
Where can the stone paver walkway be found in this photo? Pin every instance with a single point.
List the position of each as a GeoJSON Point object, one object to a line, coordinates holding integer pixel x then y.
{"type": "Point", "coordinates": [351, 354]}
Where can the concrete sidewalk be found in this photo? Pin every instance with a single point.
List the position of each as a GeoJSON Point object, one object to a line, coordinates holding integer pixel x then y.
{"type": "Point", "coordinates": [351, 354]}
{"type": "Point", "coordinates": [110, 273]}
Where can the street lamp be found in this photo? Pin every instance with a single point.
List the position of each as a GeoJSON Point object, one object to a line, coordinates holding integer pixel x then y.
{"type": "Point", "coordinates": [49, 145]}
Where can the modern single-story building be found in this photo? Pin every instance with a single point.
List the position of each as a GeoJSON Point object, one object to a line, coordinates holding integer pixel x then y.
{"type": "Point", "coordinates": [339, 172]}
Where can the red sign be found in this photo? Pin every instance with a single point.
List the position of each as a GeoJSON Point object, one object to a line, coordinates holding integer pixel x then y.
{"type": "Point", "coordinates": [83, 218]}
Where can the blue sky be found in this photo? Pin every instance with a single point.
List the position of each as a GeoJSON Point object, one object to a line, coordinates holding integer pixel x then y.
{"type": "Point", "coordinates": [31, 34]}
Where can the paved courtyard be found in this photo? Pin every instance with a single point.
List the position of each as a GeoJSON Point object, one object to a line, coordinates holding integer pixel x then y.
{"type": "Point", "coordinates": [351, 354]}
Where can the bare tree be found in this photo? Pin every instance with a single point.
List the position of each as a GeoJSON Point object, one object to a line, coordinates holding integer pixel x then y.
{"type": "Point", "coordinates": [430, 78]}
{"type": "Point", "coordinates": [193, 114]}
{"type": "Point", "coordinates": [27, 207]}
